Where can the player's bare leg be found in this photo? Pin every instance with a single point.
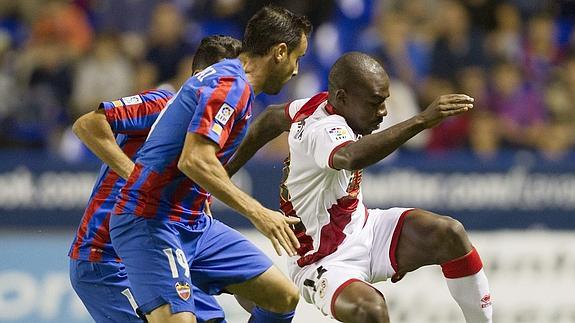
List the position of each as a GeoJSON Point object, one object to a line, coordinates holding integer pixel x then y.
{"type": "Point", "coordinates": [163, 314]}
{"type": "Point", "coordinates": [247, 305]}
{"type": "Point", "coordinates": [272, 292]}
{"type": "Point", "coordinates": [427, 239]}
{"type": "Point", "coordinates": [360, 302]}
{"type": "Point", "coordinates": [430, 239]}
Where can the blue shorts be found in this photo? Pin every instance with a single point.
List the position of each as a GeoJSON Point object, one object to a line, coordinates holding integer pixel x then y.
{"type": "Point", "coordinates": [104, 289]}
{"type": "Point", "coordinates": [163, 259]}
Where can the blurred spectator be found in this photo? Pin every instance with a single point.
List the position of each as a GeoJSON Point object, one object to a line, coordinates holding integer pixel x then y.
{"type": "Point", "coordinates": [453, 133]}
{"type": "Point", "coordinates": [59, 58]}
{"type": "Point", "coordinates": [560, 98]}
{"type": "Point", "coordinates": [12, 23]}
{"type": "Point", "coordinates": [481, 13]}
{"type": "Point", "coordinates": [167, 45]}
{"type": "Point", "coordinates": [402, 105]}
{"type": "Point", "coordinates": [457, 46]}
{"type": "Point", "coordinates": [47, 82]}
{"type": "Point", "coordinates": [103, 75]}
{"type": "Point", "coordinates": [9, 91]}
{"type": "Point", "coordinates": [65, 24]}
{"type": "Point", "coordinates": [541, 51]}
{"type": "Point", "coordinates": [184, 72]}
{"type": "Point", "coordinates": [222, 16]}
{"type": "Point", "coordinates": [126, 16]}
{"type": "Point", "coordinates": [474, 82]}
{"type": "Point", "coordinates": [145, 77]}
{"type": "Point", "coordinates": [505, 42]}
{"type": "Point", "coordinates": [392, 40]}
{"type": "Point", "coordinates": [530, 8]}
{"type": "Point", "coordinates": [519, 112]}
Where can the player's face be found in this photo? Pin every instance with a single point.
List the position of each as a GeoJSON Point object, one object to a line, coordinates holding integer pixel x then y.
{"type": "Point", "coordinates": [285, 69]}
{"type": "Point", "coordinates": [366, 103]}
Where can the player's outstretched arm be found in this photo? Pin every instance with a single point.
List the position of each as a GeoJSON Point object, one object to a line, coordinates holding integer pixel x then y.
{"type": "Point", "coordinates": [267, 126]}
{"type": "Point", "coordinates": [372, 148]}
{"type": "Point", "coordinates": [199, 162]}
{"type": "Point", "coordinates": [95, 132]}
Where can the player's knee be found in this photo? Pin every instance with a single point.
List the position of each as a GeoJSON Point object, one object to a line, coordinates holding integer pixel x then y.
{"type": "Point", "coordinates": [282, 302]}
{"type": "Point", "coordinates": [452, 237]}
{"type": "Point", "coordinates": [370, 311]}
{"type": "Point", "coordinates": [288, 302]}
{"type": "Point", "coordinates": [163, 314]}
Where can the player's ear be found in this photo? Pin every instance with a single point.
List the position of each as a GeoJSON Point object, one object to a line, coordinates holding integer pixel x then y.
{"type": "Point", "coordinates": [341, 96]}
{"type": "Point", "coordinates": [280, 52]}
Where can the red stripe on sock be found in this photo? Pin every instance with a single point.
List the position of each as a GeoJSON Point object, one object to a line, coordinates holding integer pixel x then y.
{"type": "Point", "coordinates": [464, 266]}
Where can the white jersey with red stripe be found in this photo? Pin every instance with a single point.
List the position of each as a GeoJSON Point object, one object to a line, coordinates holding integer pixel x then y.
{"type": "Point", "coordinates": [328, 201]}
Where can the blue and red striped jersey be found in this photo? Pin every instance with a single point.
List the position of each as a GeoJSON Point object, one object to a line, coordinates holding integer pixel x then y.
{"type": "Point", "coordinates": [216, 104]}
{"type": "Point", "coordinates": [130, 119]}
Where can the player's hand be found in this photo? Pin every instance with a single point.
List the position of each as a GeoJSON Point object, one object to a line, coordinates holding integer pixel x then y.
{"type": "Point", "coordinates": [126, 170]}
{"type": "Point", "coordinates": [446, 106]}
{"type": "Point", "coordinates": [276, 227]}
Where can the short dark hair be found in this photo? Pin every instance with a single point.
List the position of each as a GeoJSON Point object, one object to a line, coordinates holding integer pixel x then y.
{"type": "Point", "coordinates": [273, 25]}
{"type": "Point", "coordinates": [213, 49]}
{"type": "Point", "coordinates": [349, 69]}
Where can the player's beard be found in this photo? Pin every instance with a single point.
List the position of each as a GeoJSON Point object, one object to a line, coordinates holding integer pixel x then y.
{"type": "Point", "coordinates": [273, 86]}
{"type": "Point", "coordinates": [278, 78]}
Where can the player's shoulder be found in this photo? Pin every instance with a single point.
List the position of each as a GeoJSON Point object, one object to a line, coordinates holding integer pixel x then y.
{"type": "Point", "coordinates": [300, 109]}
{"type": "Point", "coordinates": [230, 66]}
{"type": "Point", "coordinates": [320, 120]}
{"type": "Point", "coordinates": [321, 125]}
{"type": "Point", "coordinates": [228, 71]}
{"type": "Point", "coordinates": [158, 93]}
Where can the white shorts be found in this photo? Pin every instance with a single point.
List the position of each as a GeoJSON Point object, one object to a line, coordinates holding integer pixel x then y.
{"type": "Point", "coordinates": [368, 257]}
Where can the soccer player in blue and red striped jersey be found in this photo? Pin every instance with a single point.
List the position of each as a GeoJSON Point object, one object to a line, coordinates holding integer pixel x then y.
{"type": "Point", "coordinates": [159, 224]}
{"type": "Point", "coordinates": [115, 132]}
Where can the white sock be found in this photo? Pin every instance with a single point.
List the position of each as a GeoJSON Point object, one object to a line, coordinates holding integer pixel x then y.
{"type": "Point", "coordinates": [472, 295]}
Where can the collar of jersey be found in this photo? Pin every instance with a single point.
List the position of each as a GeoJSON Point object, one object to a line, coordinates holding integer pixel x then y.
{"type": "Point", "coordinates": [330, 109]}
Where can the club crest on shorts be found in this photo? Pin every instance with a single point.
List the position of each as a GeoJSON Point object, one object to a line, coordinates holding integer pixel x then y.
{"type": "Point", "coordinates": [322, 286]}
{"type": "Point", "coordinates": [183, 289]}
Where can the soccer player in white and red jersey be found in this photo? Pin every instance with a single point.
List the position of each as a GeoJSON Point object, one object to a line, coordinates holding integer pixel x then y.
{"type": "Point", "coordinates": [344, 246]}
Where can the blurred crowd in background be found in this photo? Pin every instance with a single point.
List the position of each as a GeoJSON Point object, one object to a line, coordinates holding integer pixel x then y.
{"type": "Point", "coordinates": [60, 58]}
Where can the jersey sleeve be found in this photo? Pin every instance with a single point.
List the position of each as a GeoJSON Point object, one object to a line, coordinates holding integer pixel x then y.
{"type": "Point", "coordinates": [218, 108]}
{"type": "Point", "coordinates": [292, 108]}
{"type": "Point", "coordinates": [298, 110]}
{"type": "Point", "coordinates": [327, 139]}
{"type": "Point", "coordinates": [135, 115]}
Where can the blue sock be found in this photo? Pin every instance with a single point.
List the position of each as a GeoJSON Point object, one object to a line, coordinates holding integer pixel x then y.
{"type": "Point", "coordinates": [259, 315]}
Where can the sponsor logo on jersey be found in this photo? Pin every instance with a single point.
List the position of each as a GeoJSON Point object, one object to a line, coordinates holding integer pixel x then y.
{"type": "Point", "coordinates": [183, 290]}
{"type": "Point", "coordinates": [338, 133]}
{"type": "Point", "coordinates": [486, 301]}
{"type": "Point", "coordinates": [224, 114]}
{"type": "Point", "coordinates": [130, 100]}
